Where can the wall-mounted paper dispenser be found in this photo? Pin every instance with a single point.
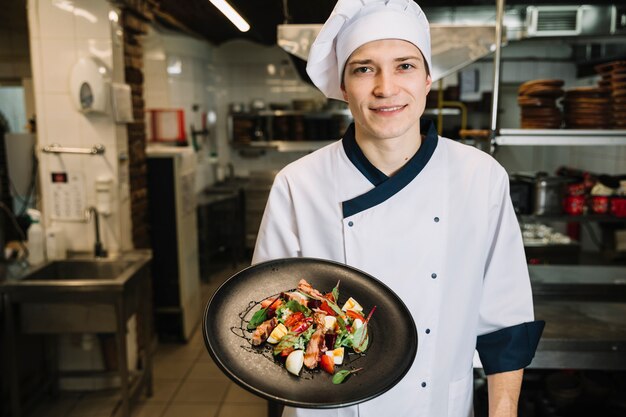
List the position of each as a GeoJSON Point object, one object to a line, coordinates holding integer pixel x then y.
{"type": "Point", "coordinates": [89, 85]}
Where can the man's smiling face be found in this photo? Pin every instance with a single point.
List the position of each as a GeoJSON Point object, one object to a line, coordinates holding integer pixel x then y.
{"type": "Point", "coordinates": [385, 84]}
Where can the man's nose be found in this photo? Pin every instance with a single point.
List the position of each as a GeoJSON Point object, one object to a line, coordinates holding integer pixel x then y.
{"type": "Point", "coordinates": [386, 85]}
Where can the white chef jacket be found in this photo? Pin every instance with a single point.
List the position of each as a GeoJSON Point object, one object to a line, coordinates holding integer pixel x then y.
{"type": "Point", "coordinates": [441, 233]}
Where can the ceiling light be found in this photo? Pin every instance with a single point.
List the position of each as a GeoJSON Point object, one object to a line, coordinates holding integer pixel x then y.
{"type": "Point", "coordinates": [231, 14]}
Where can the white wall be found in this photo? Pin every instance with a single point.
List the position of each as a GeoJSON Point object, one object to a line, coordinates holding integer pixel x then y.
{"type": "Point", "coordinates": [250, 71]}
{"type": "Point", "coordinates": [179, 74]}
{"type": "Point", "coordinates": [60, 34]}
{"type": "Point", "coordinates": [181, 71]}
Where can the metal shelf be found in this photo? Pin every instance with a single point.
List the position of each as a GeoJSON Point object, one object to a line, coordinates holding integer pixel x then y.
{"type": "Point", "coordinates": [278, 113]}
{"type": "Point", "coordinates": [560, 137]}
{"type": "Point", "coordinates": [446, 111]}
{"type": "Point", "coordinates": [338, 112]}
{"type": "Point", "coordinates": [284, 145]}
{"type": "Point", "coordinates": [602, 218]}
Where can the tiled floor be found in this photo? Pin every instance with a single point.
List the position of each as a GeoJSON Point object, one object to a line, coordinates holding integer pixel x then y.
{"type": "Point", "coordinates": [186, 384]}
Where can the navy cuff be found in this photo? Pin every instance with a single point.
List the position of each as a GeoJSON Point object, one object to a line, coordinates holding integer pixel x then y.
{"type": "Point", "coordinates": [510, 348]}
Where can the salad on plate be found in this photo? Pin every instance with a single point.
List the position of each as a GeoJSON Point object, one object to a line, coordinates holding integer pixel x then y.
{"type": "Point", "coordinates": [307, 328]}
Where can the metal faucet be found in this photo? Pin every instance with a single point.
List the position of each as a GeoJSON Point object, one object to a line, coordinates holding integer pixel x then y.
{"type": "Point", "coordinates": [98, 250]}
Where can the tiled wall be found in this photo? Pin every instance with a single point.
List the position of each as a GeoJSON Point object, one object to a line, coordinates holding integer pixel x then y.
{"type": "Point", "coordinates": [181, 71]}
{"type": "Point", "coordinates": [60, 33]}
{"type": "Point", "coordinates": [249, 71]}
{"type": "Point", "coordinates": [179, 74]}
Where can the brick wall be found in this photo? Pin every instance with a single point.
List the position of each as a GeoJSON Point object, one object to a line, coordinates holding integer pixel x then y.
{"type": "Point", "coordinates": [135, 20]}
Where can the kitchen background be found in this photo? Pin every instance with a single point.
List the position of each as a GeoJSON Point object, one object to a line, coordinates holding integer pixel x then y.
{"type": "Point", "coordinates": [166, 59]}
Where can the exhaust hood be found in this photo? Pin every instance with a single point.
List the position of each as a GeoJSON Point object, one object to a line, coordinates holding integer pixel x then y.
{"type": "Point", "coordinates": [549, 21]}
{"type": "Point", "coordinates": [463, 35]}
{"type": "Point", "coordinates": [453, 46]}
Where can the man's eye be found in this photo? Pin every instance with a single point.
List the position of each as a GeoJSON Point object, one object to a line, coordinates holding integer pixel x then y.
{"type": "Point", "coordinates": [361, 70]}
{"type": "Point", "coordinates": [406, 66]}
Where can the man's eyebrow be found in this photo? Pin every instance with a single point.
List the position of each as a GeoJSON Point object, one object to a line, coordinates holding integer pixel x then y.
{"type": "Point", "coordinates": [367, 61]}
{"type": "Point", "coordinates": [360, 62]}
{"type": "Point", "coordinates": [407, 58]}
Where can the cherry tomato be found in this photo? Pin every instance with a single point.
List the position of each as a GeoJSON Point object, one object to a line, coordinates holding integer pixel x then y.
{"type": "Point", "coordinates": [294, 318]}
{"type": "Point", "coordinates": [328, 364]}
{"type": "Point", "coordinates": [326, 308]}
{"type": "Point", "coordinates": [355, 315]}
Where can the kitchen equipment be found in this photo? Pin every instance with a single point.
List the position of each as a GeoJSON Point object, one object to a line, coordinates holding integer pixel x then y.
{"type": "Point", "coordinates": [174, 233]}
{"type": "Point", "coordinates": [549, 193]}
{"type": "Point", "coordinates": [521, 188]}
{"type": "Point", "coordinates": [599, 204]}
{"type": "Point", "coordinates": [256, 193]}
{"type": "Point", "coordinates": [390, 354]}
{"type": "Point", "coordinates": [618, 206]}
{"type": "Point", "coordinates": [574, 205]}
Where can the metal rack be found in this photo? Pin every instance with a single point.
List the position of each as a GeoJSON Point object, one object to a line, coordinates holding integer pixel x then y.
{"type": "Point", "coordinates": [539, 137]}
{"type": "Point", "coordinates": [97, 149]}
{"type": "Point", "coordinates": [573, 137]}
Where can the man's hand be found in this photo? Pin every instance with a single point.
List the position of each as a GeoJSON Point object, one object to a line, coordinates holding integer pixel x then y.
{"type": "Point", "coordinates": [504, 389]}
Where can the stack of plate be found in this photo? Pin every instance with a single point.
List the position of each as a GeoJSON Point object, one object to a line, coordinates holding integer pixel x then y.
{"type": "Point", "coordinates": [587, 108]}
{"type": "Point", "coordinates": [537, 99]}
{"type": "Point", "coordinates": [614, 80]}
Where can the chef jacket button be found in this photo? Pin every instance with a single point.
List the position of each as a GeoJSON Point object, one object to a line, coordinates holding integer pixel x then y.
{"type": "Point", "coordinates": [427, 331]}
{"type": "Point", "coordinates": [436, 219]}
{"type": "Point", "coordinates": [350, 223]}
{"type": "Point", "coordinates": [433, 275]}
{"type": "Point", "coordinates": [423, 385]}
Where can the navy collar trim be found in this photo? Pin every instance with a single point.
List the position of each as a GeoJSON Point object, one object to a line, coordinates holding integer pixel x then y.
{"type": "Point", "coordinates": [386, 187]}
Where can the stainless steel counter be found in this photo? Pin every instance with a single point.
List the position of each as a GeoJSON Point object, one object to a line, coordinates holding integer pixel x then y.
{"type": "Point", "coordinates": [581, 335]}
{"type": "Point", "coordinates": [585, 312]}
{"type": "Point", "coordinates": [50, 297]}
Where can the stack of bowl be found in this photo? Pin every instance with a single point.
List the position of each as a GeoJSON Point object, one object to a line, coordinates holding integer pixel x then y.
{"type": "Point", "coordinates": [614, 80]}
{"type": "Point", "coordinates": [537, 98]}
{"type": "Point", "coordinates": [587, 108]}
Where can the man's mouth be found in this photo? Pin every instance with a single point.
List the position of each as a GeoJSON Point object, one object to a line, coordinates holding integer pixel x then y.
{"type": "Point", "coordinates": [388, 109]}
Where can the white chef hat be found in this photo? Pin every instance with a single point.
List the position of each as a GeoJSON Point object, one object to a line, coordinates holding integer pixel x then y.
{"type": "Point", "coordinates": [356, 22]}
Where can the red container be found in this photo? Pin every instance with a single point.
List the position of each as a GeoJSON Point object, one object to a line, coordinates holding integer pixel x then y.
{"type": "Point", "coordinates": [618, 206]}
{"type": "Point", "coordinates": [577, 189]}
{"type": "Point", "coordinates": [166, 126]}
{"type": "Point", "coordinates": [599, 204]}
{"type": "Point", "coordinates": [574, 205]}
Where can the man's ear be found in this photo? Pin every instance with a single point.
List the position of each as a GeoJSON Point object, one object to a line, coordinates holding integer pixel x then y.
{"type": "Point", "coordinates": [429, 83]}
{"type": "Point", "coordinates": [343, 91]}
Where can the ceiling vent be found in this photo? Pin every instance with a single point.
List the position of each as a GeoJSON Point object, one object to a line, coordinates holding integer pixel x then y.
{"type": "Point", "coordinates": [562, 21]}
{"type": "Point", "coordinates": [547, 21]}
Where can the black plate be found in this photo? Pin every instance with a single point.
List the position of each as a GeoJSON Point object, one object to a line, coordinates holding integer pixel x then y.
{"type": "Point", "coordinates": [392, 347]}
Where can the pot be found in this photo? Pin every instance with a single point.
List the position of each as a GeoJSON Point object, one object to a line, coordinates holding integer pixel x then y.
{"type": "Point", "coordinates": [549, 193]}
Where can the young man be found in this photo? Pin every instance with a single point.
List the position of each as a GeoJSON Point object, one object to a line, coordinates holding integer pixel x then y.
{"type": "Point", "coordinates": [428, 216]}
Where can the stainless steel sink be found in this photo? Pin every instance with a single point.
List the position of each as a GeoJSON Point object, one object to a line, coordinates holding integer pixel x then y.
{"type": "Point", "coordinates": [79, 270]}
{"type": "Point", "coordinates": [80, 295]}
{"type": "Point", "coordinates": [79, 273]}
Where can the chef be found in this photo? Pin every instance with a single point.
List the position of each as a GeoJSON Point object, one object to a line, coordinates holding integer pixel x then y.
{"type": "Point", "coordinates": [428, 216]}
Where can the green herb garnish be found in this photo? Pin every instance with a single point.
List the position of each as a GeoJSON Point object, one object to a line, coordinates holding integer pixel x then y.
{"type": "Point", "coordinates": [257, 318]}
{"type": "Point", "coordinates": [341, 376]}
